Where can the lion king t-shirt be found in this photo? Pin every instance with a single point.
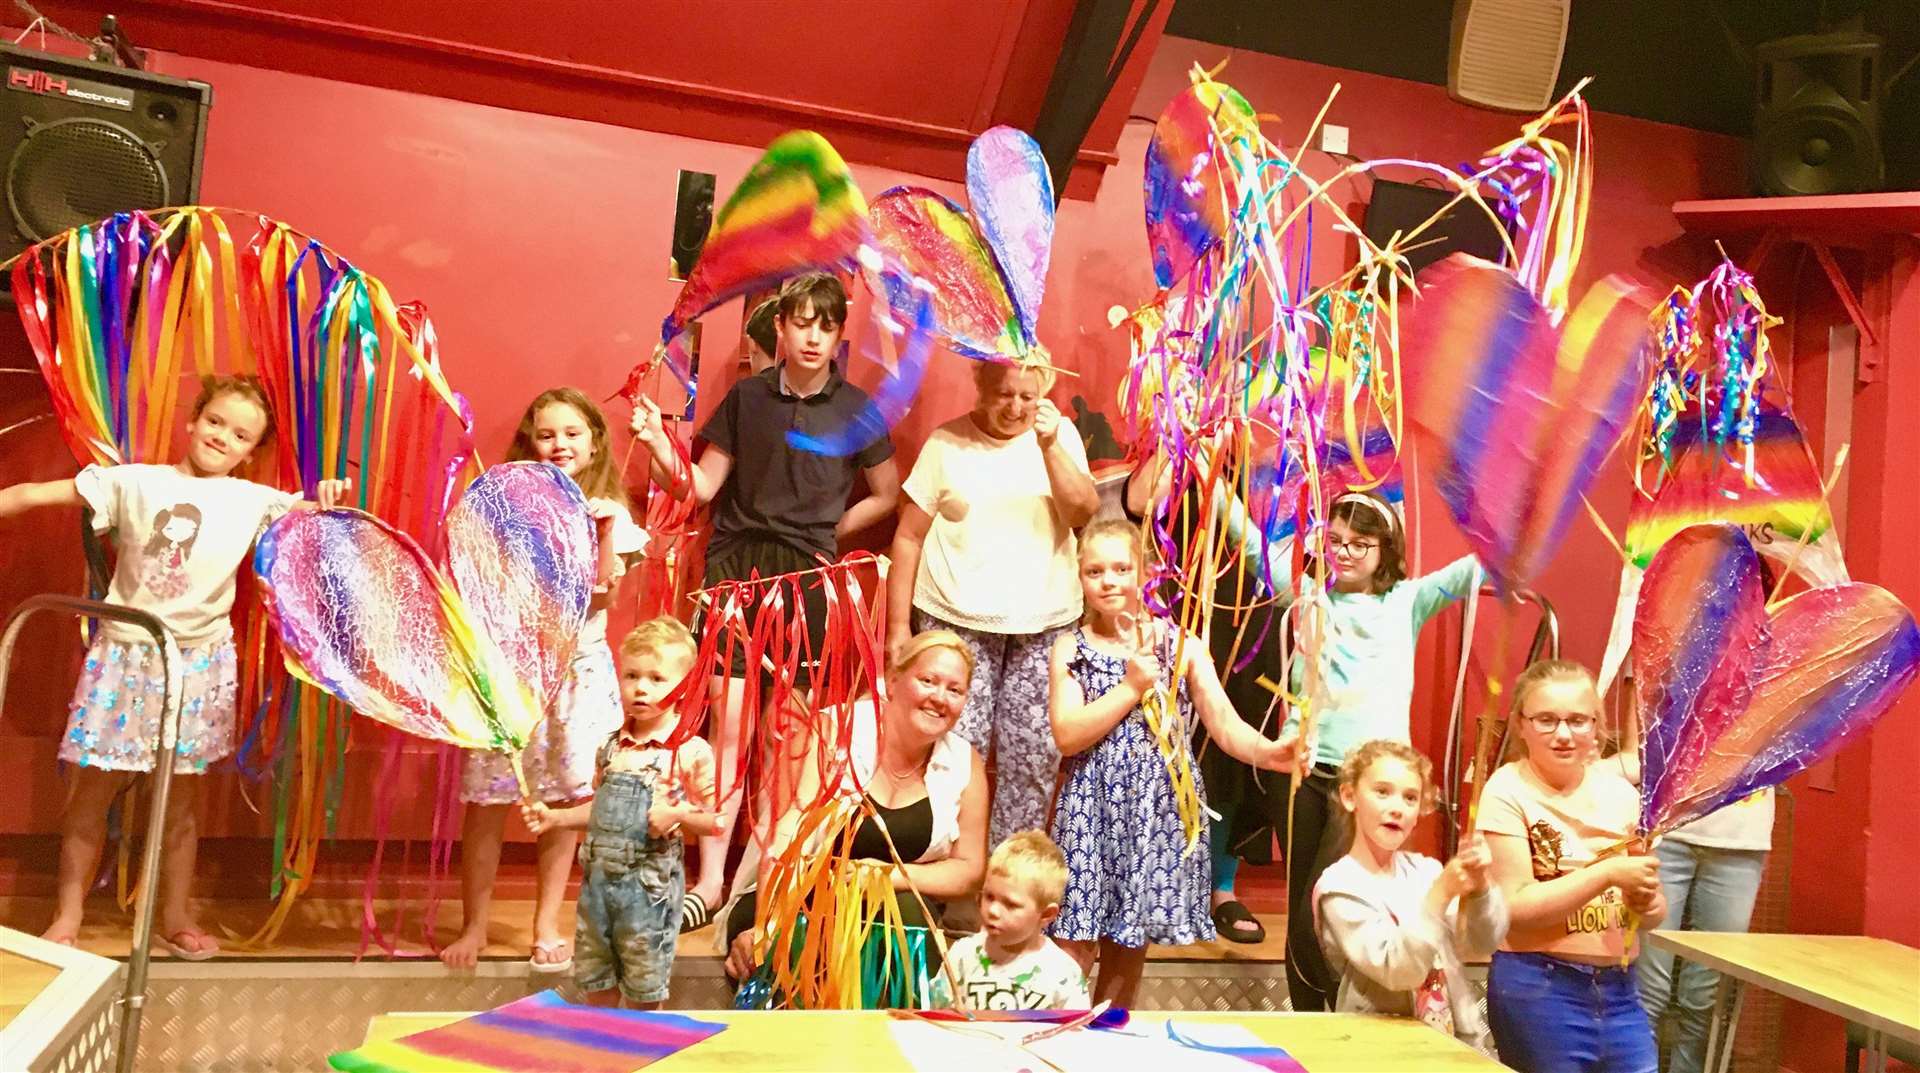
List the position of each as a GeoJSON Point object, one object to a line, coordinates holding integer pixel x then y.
{"type": "Point", "coordinates": [1565, 833]}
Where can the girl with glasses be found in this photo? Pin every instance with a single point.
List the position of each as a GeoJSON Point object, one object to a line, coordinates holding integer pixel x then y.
{"type": "Point", "coordinates": [1560, 991]}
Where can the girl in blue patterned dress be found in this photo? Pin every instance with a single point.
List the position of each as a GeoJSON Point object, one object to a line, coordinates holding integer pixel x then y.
{"type": "Point", "coordinates": [1132, 880]}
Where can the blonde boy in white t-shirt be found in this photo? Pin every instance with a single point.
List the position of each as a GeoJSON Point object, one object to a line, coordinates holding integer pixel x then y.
{"type": "Point", "coordinates": [1010, 964]}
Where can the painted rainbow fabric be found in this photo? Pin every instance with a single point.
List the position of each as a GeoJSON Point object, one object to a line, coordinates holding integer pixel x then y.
{"type": "Point", "coordinates": [523, 552]}
{"type": "Point", "coordinates": [363, 614]}
{"type": "Point", "coordinates": [1738, 698]}
{"type": "Point", "coordinates": [1517, 415]}
{"type": "Point", "coordinates": [1702, 483]}
{"type": "Point", "coordinates": [538, 1034]}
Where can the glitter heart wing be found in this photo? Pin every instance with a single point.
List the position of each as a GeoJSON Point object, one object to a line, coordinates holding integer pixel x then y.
{"type": "Point", "coordinates": [1190, 190]}
{"type": "Point", "coordinates": [936, 242]}
{"type": "Point", "coordinates": [364, 615]}
{"type": "Point", "coordinates": [1011, 193]}
{"type": "Point", "coordinates": [522, 550]}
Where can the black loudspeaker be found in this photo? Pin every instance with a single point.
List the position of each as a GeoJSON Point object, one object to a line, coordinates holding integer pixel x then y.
{"type": "Point", "coordinates": [692, 221]}
{"type": "Point", "coordinates": [1816, 120]}
{"type": "Point", "coordinates": [82, 141]}
{"type": "Point", "coordinates": [1461, 229]}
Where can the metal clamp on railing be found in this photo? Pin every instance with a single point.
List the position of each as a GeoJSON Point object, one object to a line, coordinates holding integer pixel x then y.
{"type": "Point", "coordinates": [133, 999]}
{"type": "Point", "coordinates": [1546, 638]}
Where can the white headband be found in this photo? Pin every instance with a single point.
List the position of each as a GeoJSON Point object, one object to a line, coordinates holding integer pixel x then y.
{"type": "Point", "coordinates": [1372, 504]}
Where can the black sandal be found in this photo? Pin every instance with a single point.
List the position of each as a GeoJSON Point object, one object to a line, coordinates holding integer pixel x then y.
{"type": "Point", "coordinates": [1228, 915]}
{"type": "Point", "coordinates": [694, 913]}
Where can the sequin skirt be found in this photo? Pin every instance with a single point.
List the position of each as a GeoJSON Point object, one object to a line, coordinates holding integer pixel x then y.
{"type": "Point", "coordinates": [114, 721]}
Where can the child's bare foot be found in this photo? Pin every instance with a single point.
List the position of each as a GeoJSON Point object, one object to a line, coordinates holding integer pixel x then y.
{"type": "Point", "coordinates": [62, 931]}
{"type": "Point", "coordinates": [464, 952]}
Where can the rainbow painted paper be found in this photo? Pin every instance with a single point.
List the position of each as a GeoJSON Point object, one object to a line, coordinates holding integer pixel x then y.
{"type": "Point", "coordinates": [1189, 186]}
{"type": "Point", "coordinates": [796, 210]}
{"type": "Point", "coordinates": [1737, 697]}
{"type": "Point", "coordinates": [1515, 414]}
{"type": "Point", "coordinates": [364, 615]}
{"type": "Point", "coordinates": [541, 1033]}
{"type": "Point", "coordinates": [522, 549]}
{"type": "Point", "coordinates": [988, 270]}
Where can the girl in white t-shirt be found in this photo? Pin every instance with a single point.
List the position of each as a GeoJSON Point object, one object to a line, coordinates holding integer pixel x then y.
{"type": "Point", "coordinates": [1560, 991]}
{"type": "Point", "coordinates": [181, 533]}
{"type": "Point", "coordinates": [564, 427]}
{"type": "Point", "coordinates": [1395, 924]}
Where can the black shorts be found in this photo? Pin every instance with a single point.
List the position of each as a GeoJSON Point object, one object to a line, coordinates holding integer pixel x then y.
{"type": "Point", "coordinates": [769, 558]}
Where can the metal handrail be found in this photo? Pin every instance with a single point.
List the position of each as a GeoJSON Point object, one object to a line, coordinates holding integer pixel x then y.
{"type": "Point", "coordinates": [1546, 635]}
{"type": "Point", "coordinates": [133, 998]}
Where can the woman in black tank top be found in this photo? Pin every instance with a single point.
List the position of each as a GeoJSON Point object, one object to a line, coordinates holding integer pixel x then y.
{"type": "Point", "coordinates": [901, 817]}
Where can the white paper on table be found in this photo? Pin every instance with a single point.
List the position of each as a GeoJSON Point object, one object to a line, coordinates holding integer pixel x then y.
{"type": "Point", "coordinates": [956, 1047]}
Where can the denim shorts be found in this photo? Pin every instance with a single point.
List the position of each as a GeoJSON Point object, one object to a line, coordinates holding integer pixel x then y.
{"type": "Point", "coordinates": [628, 923]}
{"type": "Point", "coordinates": [1550, 1015]}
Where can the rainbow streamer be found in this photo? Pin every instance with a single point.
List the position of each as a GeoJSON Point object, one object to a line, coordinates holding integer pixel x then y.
{"type": "Point", "coordinates": [124, 315]}
{"type": "Point", "coordinates": [1738, 698]}
{"type": "Point", "coordinates": [1519, 415]}
{"type": "Point", "coordinates": [797, 210]}
{"type": "Point", "coordinates": [522, 549]}
{"type": "Point", "coordinates": [541, 1033]}
{"type": "Point", "coordinates": [363, 614]}
{"type": "Point", "coordinates": [1259, 1056]}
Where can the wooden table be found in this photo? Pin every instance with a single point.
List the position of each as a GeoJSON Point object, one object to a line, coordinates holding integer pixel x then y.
{"type": "Point", "coordinates": [1874, 983]}
{"type": "Point", "coordinates": [840, 1041]}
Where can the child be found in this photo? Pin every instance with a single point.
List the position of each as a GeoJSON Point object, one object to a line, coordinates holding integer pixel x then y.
{"type": "Point", "coordinates": [1367, 629]}
{"type": "Point", "coordinates": [1560, 994]}
{"type": "Point", "coordinates": [182, 532]}
{"type": "Point", "coordinates": [1010, 964]}
{"type": "Point", "coordinates": [776, 509]}
{"type": "Point", "coordinates": [646, 798]}
{"type": "Point", "coordinates": [1395, 925]}
{"type": "Point", "coordinates": [564, 427]}
{"type": "Point", "coordinates": [1132, 880]}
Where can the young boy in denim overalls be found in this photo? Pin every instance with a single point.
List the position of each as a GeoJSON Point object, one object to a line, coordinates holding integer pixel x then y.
{"type": "Point", "coordinates": [647, 798]}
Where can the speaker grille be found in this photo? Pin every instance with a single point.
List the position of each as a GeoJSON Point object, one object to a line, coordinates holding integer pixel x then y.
{"type": "Point", "coordinates": [74, 171]}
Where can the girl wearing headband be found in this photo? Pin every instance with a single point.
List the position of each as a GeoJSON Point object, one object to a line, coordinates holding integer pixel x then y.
{"type": "Point", "coordinates": [1367, 625]}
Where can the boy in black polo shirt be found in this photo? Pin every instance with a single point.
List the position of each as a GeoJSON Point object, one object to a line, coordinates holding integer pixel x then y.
{"type": "Point", "coordinates": [776, 508]}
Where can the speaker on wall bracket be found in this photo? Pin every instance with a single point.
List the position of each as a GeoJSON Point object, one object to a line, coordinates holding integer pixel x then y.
{"type": "Point", "coordinates": [1816, 119]}
{"type": "Point", "coordinates": [80, 141]}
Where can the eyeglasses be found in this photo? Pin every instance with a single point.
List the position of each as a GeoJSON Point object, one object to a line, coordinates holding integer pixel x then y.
{"type": "Point", "coordinates": [1548, 724]}
{"type": "Point", "coordinates": [1355, 548]}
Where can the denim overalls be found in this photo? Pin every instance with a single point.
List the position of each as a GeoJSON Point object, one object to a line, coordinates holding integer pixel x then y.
{"type": "Point", "coordinates": [630, 901]}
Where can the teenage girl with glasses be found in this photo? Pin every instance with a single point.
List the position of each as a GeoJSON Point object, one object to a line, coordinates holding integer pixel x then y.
{"type": "Point", "coordinates": [1560, 991]}
{"type": "Point", "coordinates": [1363, 630]}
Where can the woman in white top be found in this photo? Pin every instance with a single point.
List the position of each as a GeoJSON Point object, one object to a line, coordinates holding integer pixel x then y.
{"type": "Point", "coordinates": [985, 548]}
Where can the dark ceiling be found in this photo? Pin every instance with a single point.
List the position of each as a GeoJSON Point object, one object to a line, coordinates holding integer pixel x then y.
{"type": "Point", "coordinates": [1686, 62]}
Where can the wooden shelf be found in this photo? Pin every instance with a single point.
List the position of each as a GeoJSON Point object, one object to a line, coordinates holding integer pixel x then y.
{"type": "Point", "coordinates": [1839, 214]}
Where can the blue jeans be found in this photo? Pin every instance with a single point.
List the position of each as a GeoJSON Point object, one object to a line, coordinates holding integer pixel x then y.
{"type": "Point", "coordinates": [1555, 1016]}
{"type": "Point", "coordinates": [627, 925]}
{"type": "Point", "coordinates": [1707, 889]}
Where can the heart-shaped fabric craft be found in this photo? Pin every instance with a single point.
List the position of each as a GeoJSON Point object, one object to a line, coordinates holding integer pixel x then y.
{"type": "Point", "coordinates": [1190, 190]}
{"type": "Point", "coordinates": [468, 659]}
{"type": "Point", "coordinates": [1515, 414]}
{"type": "Point", "coordinates": [1735, 698]}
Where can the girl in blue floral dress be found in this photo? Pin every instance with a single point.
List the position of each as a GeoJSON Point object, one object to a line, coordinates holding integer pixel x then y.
{"type": "Point", "coordinates": [1132, 879]}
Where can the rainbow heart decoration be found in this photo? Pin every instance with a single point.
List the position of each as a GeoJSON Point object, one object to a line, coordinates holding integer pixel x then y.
{"type": "Point", "coordinates": [471, 655]}
{"type": "Point", "coordinates": [1737, 697]}
{"type": "Point", "coordinates": [1516, 413]}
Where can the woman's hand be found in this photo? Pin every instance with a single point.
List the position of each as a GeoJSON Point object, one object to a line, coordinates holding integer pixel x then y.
{"type": "Point", "coordinates": [330, 494]}
{"type": "Point", "coordinates": [740, 960]}
{"type": "Point", "coordinates": [1046, 423]}
{"type": "Point", "coordinates": [897, 637]}
{"type": "Point", "coordinates": [645, 424]}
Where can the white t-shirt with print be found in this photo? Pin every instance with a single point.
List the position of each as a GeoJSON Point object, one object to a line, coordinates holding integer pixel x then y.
{"type": "Point", "coordinates": [1046, 978]}
{"type": "Point", "coordinates": [181, 540]}
{"type": "Point", "coordinates": [997, 557]}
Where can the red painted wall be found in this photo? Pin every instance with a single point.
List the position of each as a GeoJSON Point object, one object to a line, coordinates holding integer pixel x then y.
{"type": "Point", "coordinates": [538, 243]}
